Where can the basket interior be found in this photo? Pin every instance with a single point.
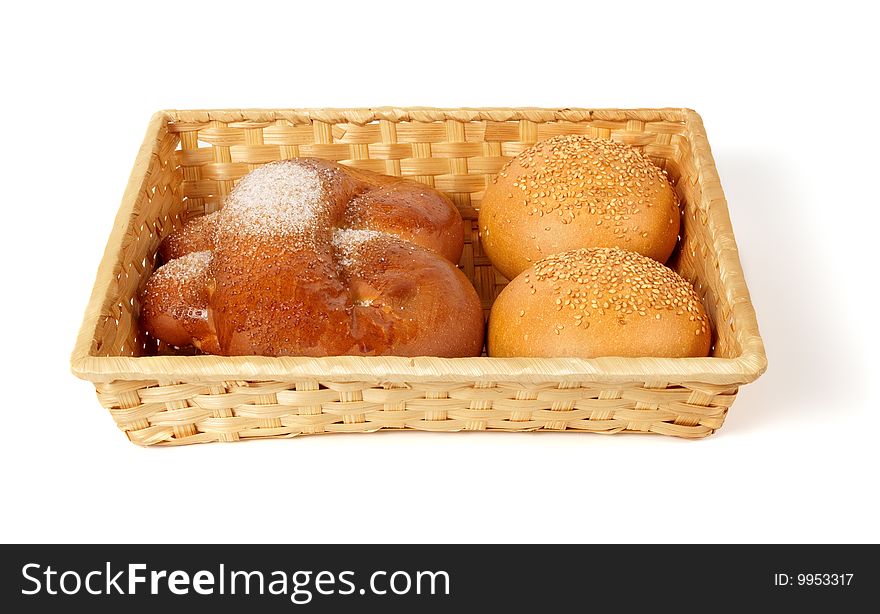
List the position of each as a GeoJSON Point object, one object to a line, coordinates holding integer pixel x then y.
{"type": "Point", "coordinates": [198, 162]}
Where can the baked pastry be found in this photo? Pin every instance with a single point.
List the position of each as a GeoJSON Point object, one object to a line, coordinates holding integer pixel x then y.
{"type": "Point", "coordinates": [574, 191]}
{"type": "Point", "coordinates": [594, 302]}
{"type": "Point", "coordinates": [311, 258]}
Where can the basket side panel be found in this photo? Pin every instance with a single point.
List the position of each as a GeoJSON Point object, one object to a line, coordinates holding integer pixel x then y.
{"type": "Point", "coordinates": [158, 211]}
{"type": "Point", "coordinates": [696, 257]}
{"type": "Point", "coordinates": [177, 414]}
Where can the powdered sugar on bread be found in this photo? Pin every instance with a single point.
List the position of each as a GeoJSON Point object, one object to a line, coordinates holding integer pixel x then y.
{"type": "Point", "coordinates": [276, 200]}
{"type": "Point", "coordinates": [186, 268]}
{"type": "Point", "coordinates": [347, 241]}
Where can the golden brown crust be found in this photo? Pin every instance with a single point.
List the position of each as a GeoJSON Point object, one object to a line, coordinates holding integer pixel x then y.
{"type": "Point", "coordinates": [311, 258]}
{"type": "Point", "coordinates": [396, 287]}
{"type": "Point", "coordinates": [598, 302]}
{"type": "Point", "coordinates": [403, 208]}
{"type": "Point", "coordinates": [573, 191]}
{"type": "Point", "coordinates": [176, 302]}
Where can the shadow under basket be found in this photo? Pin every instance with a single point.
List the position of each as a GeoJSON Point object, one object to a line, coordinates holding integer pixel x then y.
{"type": "Point", "coordinates": [189, 162]}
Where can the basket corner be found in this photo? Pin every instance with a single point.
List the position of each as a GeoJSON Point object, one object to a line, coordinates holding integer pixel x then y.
{"type": "Point", "coordinates": [753, 362]}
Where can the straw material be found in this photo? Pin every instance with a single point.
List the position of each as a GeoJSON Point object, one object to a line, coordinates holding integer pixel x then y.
{"type": "Point", "coordinates": [189, 162]}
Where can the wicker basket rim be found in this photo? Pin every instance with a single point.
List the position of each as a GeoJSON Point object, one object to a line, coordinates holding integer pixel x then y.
{"type": "Point", "coordinates": [722, 371]}
{"type": "Point", "coordinates": [746, 367]}
{"type": "Point", "coordinates": [360, 116]}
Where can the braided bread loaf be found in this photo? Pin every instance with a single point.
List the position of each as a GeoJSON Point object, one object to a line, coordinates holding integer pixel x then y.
{"type": "Point", "coordinates": [311, 258]}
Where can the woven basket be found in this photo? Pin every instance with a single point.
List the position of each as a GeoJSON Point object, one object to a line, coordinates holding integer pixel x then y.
{"type": "Point", "coordinates": [191, 159]}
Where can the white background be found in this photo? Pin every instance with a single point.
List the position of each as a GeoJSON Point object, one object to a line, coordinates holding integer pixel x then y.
{"type": "Point", "coordinates": [785, 93]}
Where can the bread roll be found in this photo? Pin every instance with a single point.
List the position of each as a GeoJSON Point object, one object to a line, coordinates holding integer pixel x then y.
{"type": "Point", "coordinates": [598, 302]}
{"type": "Point", "coordinates": [311, 258]}
{"type": "Point", "coordinates": [573, 191]}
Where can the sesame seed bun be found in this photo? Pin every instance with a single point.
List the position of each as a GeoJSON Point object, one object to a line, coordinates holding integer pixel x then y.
{"type": "Point", "coordinates": [574, 191]}
{"type": "Point", "coordinates": [598, 302]}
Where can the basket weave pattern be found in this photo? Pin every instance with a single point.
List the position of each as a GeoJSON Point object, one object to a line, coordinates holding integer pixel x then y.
{"type": "Point", "coordinates": [190, 161]}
